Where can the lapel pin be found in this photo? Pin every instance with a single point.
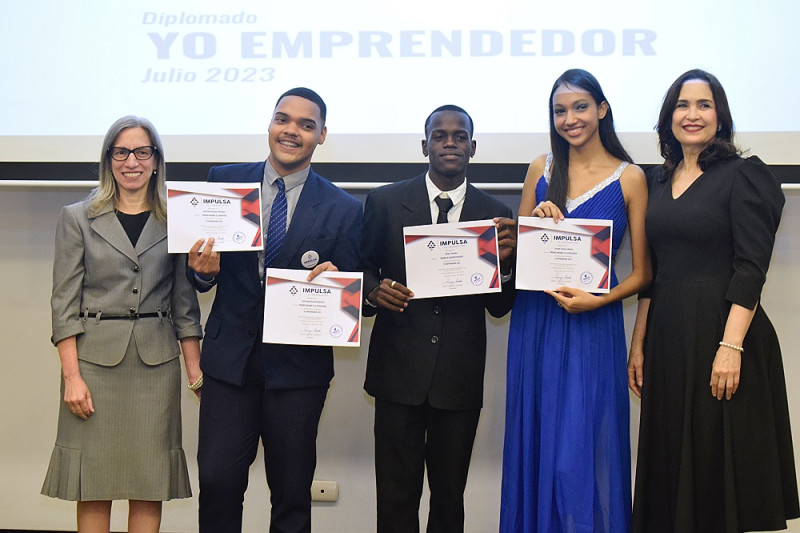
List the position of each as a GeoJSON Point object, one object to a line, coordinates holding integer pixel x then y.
{"type": "Point", "coordinates": [310, 259]}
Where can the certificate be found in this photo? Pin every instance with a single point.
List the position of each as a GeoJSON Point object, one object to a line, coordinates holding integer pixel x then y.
{"type": "Point", "coordinates": [452, 259]}
{"type": "Point", "coordinates": [323, 312]}
{"type": "Point", "coordinates": [576, 253]}
{"type": "Point", "coordinates": [228, 212]}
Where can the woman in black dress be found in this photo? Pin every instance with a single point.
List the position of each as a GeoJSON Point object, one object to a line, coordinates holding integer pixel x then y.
{"type": "Point", "coordinates": [715, 446]}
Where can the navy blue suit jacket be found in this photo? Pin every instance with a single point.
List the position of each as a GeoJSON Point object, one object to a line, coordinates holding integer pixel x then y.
{"type": "Point", "coordinates": [326, 220]}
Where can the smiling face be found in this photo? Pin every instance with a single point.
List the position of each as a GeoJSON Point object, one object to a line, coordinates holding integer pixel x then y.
{"type": "Point", "coordinates": [694, 120]}
{"type": "Point", "coordinates": [133, 175]}
{"type": "Point", "coordinates": [448, 147]}
{"type": "Point", "coordinates": [295, 132]}
{"type": "Point", "coordinates": [576, 115]}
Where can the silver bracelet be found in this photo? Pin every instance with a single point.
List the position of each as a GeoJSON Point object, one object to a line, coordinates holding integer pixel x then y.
{"type": "Point", "coordinates": [731, 346]}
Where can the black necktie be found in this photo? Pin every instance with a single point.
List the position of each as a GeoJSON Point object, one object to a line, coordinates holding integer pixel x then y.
{"type": "Point", "coordinates": [444, 206]}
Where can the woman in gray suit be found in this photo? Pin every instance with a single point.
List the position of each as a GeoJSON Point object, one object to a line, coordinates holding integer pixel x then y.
{"type": "Point", "coordinates": [119, 303]}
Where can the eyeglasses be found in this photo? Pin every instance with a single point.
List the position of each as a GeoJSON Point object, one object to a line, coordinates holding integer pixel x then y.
{"type": "Point", "coordinates": [142, 153]}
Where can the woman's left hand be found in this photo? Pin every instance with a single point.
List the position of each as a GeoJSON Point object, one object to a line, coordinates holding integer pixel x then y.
{"type": "Point", "coordinates": [575, 300]}
{"type": "Point", "coordinates": [190, 346]}
{"type": "Point", "coordinates": [725, 372]}
{"type": "Point", "coordinates": [192, 375]}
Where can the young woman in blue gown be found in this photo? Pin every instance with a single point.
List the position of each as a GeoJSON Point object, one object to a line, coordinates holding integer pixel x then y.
{"type": "Point", "coordinates": [566, 458]}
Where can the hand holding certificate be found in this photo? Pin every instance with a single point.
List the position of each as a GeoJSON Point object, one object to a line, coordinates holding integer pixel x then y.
{"type": "Point", "coordinates": [576, 252]}
{"type": "Point", "coordinates": [325, 311]}
{"type": "Point", "coordinates": [230, 213]}
{"type": "Point", "coordinates": [452, 259]}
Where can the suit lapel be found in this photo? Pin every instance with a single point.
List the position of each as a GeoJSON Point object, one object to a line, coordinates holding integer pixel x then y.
{"type": "Point", "coordinates": [154, 231]}
{"type": "Point", "coordinates": [109, 228]}
{"type": "Point", "coordinates": [305, 213]}
{"type": "Point", "coordinates": [416, 204]}
{"type": "Point", "coordinates": [254, 172]}
{"type": "Point", "coordinates": [474, 207]}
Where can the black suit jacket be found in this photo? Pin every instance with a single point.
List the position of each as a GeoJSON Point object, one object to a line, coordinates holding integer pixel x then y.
{"type": "Point", "coordinates": [435, 350]}
{"type": "Point", "coordinates": [327, 220]}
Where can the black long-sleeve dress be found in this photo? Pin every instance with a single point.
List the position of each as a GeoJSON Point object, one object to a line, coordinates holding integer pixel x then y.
{"type": "Point", "coordinates": [707, 465]}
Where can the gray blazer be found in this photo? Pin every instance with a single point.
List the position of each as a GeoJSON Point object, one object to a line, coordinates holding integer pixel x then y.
{"type": "Point", "coordinates": [97, 270]}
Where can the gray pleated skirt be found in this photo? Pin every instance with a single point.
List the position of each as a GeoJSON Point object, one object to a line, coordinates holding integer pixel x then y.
{"type": "Point", "coordinates": [130, 448]}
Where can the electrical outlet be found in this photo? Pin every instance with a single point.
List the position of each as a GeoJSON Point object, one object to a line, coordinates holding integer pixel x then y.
{"type": "Point", "coordinates": [324, 491]}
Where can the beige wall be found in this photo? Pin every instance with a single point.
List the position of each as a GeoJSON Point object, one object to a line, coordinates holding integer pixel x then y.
{"type": "Point", "coordinates": [29, 396]}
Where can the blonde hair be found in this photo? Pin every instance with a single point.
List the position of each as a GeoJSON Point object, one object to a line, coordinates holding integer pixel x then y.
{"type": "Point", "coordinates": [106, 193]}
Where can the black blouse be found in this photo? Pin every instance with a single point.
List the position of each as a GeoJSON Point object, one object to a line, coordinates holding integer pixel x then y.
{"type": "Point", "coordinates": [133, 224]}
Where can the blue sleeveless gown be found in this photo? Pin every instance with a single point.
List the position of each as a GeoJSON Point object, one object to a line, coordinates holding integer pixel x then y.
{"type": "Point", "coordinates": [566, 457]}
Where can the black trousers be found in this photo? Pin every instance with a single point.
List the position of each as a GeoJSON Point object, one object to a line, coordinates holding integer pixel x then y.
{"type": "Point", "coordinates": [232, 419]}
{"type": "Point", "coordinates": [407, 440]}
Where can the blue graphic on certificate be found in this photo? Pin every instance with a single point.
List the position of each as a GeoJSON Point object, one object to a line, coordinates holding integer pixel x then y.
{"type": "Point", "coordinates": [325, 311]}
{"type": "Point", "coordinates": [575, 252]}
{"type": "Point", "coordinates": [452, 259]}
{"type": "Point", "coordinates": [228, 212]}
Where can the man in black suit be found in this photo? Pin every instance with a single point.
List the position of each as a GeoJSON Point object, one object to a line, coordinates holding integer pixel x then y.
{"type": "Point", "coordinates": [427, 356]}
{"type": "Point", "coordinates": [274, 392]}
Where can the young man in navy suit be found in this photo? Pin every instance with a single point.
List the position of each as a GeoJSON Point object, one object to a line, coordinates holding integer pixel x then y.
{"type": "Point", "coordinates": [253, 390]}
{"type": "Point", "coordinates": [427, 356]}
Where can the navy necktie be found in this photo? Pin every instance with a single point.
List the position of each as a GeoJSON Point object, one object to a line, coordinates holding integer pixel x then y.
{"type": "Point", "coordinates": [444, 206]}
{"type": "Point", "coordinates": [277, 224]}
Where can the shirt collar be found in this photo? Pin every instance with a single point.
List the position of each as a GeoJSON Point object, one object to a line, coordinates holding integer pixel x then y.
{"type": "Point", "coordinates": [290, 180]}
{"type": "Point", "coordinates": [456, 195]}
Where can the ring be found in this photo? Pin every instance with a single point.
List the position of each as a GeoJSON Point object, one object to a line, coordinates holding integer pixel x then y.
{"type": "Point", "coordinates": [559, 304]}
{"type": "Point", "coordinates": [391, 285]}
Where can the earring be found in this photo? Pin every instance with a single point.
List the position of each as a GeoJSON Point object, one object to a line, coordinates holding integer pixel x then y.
{"type": "Point", "coordinates": [719, 127]}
